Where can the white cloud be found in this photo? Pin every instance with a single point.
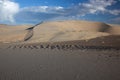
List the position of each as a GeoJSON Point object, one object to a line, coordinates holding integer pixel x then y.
{"type": "Point", "coordinates": [7, 10]}
{"type": "Point", "coordinates": [45, 9]}
{"type": "Point", "coordinates": [114, 12]}
{"type": "Point", "coordinates": [94, 6]}
{"type": "Point", "coordinates": [35, 9]}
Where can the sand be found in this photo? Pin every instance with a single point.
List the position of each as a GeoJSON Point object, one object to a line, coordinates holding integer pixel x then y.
{"type": "Point", "coordinates": [11, 33]}
{"type": "Point", "coordinates": [60, 50]}
{"type": "Point", "coordinates": [115, 29]}
{"type": "Point", "coordinates": [55, 64]}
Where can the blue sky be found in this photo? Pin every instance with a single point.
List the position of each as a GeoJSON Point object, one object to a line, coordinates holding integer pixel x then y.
{"type": "Point", "coordinates": [34, 11]}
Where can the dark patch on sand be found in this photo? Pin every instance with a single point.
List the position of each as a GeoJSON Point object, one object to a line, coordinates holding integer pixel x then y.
{"type": "Point", "coordinates": [100, 43]}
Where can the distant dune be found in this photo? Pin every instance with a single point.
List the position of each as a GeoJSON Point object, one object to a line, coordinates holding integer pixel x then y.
{"type": "Point", "coordinates": [58, 31]}
{"type": "Point", "coordinates": [12, 33]}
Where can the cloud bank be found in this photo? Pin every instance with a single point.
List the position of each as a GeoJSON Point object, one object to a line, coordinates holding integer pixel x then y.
{"type": "Point", "coordinates": [7, 10]}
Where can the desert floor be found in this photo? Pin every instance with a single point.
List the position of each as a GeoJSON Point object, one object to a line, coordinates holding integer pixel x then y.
{"type": "Point", "coordinates": [55, 64]}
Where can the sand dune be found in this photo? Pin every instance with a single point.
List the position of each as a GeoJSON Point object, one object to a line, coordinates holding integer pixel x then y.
{"type": "Point", "coordinates": [58, 31]}
{"type": "Point", "coordinates": [69, 30]}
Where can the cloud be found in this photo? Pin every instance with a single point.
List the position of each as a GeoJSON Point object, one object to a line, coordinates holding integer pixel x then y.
{"type": "Point", "coordinates": [44, 9]}
{"type": "Point", "coordinates": [33, 14]}
{"type": "Point", "coordinates": [114, 12]}
{"type": "Point", "coordinates": [93, 7]}
{"type": "Point", "coordinates": [7, 10]}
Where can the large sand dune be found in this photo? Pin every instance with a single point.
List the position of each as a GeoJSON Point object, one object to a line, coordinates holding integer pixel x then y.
{"type": "Point", "coordinates": [58, 31]}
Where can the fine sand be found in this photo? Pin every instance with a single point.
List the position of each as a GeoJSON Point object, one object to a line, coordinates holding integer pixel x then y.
{"type": "Point", "coordinates": [60, 50]}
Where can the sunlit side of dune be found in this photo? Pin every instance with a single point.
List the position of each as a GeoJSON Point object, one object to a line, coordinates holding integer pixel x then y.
{"type": "Point", "coordinates": [69, 30]}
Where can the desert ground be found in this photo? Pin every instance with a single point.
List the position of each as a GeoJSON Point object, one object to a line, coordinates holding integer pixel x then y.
{"type": "Point", "coordinates": [60, 50]}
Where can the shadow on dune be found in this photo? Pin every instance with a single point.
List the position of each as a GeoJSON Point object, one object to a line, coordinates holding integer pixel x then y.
{"type": "Point", "coordinates": [30, 31]}
{"type": "Point", "coordinates": [28, 35]}
{"type": "Point", "coordinates": [104, 28]}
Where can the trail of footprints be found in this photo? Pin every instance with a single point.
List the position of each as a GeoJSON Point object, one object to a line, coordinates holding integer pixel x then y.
{"type": "Point", "coordinates": [62, 47]}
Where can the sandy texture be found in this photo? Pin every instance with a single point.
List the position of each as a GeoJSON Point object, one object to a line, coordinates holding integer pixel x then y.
{"type": "Point", "coordinates": [47, 64]}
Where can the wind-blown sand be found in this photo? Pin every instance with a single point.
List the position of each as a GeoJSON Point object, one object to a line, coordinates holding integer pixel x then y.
{"type": "Point", "coordinates": [60, 50]}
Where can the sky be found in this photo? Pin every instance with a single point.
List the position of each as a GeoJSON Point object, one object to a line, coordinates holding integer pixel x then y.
{"type": "Point", "coordinates": [34, 11]}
